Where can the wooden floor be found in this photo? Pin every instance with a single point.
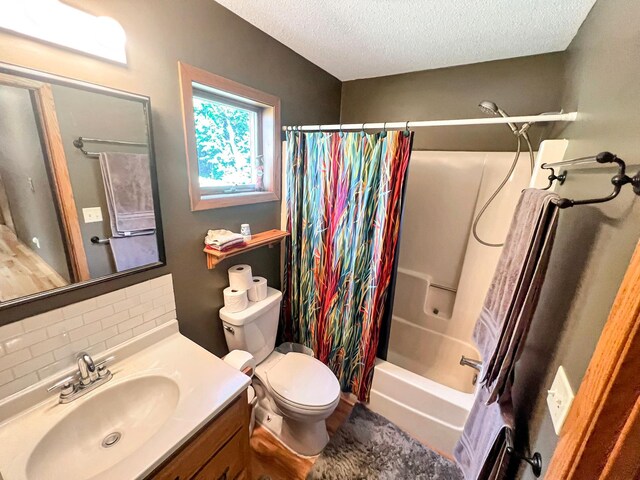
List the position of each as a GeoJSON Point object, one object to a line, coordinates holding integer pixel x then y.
{"type": "Point", "coordinates": [271, 458]}
{"type": "Point", "coordinates": [22, 271]}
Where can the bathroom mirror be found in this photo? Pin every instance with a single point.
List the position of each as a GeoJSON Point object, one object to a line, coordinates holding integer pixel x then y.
{"type": "Point", "coordinates": [78, 186]}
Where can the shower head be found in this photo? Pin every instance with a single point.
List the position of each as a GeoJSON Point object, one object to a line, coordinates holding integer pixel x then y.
{"type": "Point", "coordinates": [488, 107]}
{"type": "Point", "coordinates": [491, 108]}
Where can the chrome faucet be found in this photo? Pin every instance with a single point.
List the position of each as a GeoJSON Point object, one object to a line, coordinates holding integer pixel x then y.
{"type": "Point", "coordinates": [89, 376]}
{"type": "Point", "coordinates": [470, 362]}
{"type": "Point", "coordinates": [87, 369]}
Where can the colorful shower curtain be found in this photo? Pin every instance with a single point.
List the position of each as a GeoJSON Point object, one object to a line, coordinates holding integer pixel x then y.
{"type": "Point", "coordinates": [344, 200]}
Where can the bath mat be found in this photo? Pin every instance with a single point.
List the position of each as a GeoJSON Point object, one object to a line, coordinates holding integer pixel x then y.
{"type": "Point", "coordinates": [369, 447]}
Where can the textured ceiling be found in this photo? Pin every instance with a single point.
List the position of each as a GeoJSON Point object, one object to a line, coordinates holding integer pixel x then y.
{"type": "Point", "coordinates": [369, 38]}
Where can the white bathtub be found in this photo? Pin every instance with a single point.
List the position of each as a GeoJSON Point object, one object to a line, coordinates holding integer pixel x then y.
{"type": "Point", "coordinates": [428, 410]}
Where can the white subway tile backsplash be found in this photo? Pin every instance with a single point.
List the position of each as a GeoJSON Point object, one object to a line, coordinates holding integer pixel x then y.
{"type": "Point", "coordinates": [155, 313]}
{"type": "Point", "coordinates": [118, 339]}
{"type": "Point", "coordinates": [49, 344]}
{"type": "Point", "coordinates": [18, 384]}
{"type": "Point", "coordinates": [102, 335]}
{"type": "Point", "coordinates": [11, 330]}
{"type": "Point", "coordinates": [144, 327]}
{"type": "Point", "coordinates": [79, 308]}
{"type": "Point", "coordinates": [166, 317]}
{"type": "Point", "coordinates": [140, 309]}
{"type": "Point", "coordinates": [65, 326]}
{"type": "Point", "coordinates": [32, 365]}
{"type": "Point", "coordinates": [44, 345]}
{"type": "Point", "coordinates": [115, 319]}
{"type": "Point", "coordinates": [11, 359]}
{"type": "Point", "coordinates": [130, 323]}
{"type": "Point", "coordinates": [99, 314]}
{"type": "Point", "coordinates": [111, 298]}
{"type": "Point", "coordinates": [84, 331]}
{"type": "Point", "coordinates": [151, 294]}
{"type": "Point", "coordinates": [70, 350]}
{"type": "Point", "coordinates": [126, 304]}
{"type": "Point", "coordinates": [135, 290]}
{"type": "Point", "coordinates": [42, 320]}
{"type": "Point", "coordinates": [5, 377]}
{"type": "Point", "coordinates": [26, 339]}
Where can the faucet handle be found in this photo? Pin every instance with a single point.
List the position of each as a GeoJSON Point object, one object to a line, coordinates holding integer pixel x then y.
{"type": "Point", "coordinates": [103, 371]}
{"type": "Point", "coordinates": [102, 363]}
{"type": "Point", "coordinates": [67, 385]}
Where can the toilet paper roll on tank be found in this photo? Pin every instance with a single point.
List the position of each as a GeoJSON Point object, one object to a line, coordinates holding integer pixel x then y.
{"type": "Point", "coordinates": [241, 360]}
{"type": "Point", "coordinates": [243, 288]}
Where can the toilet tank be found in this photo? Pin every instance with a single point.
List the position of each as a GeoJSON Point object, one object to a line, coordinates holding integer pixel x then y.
{"type": "Point", "coordinates": [254, 329]}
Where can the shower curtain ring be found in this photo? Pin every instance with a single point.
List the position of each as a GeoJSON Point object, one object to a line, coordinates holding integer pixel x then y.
{"type": "Point", "coordinates": [384, 130]}
{"type": "Point", "coordinates": [363, 132]}
{"type": "Point", "coordinates": [341, 133]}
{"type": "Point", "coordinates": [406, 129]}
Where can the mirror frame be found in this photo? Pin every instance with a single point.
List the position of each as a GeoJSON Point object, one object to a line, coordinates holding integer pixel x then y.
{"type": "Point", "coordinates": [145, 101]}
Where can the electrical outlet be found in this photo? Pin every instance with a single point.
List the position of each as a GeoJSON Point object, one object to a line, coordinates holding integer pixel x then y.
{"type": "Point", "coordinates": [559, 399]}
{"type": "Point", "coordinates": [92, 215]}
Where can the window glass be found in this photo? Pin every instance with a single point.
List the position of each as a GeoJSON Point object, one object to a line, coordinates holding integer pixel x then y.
{"type": "Point", "coordinates": [226, 140]}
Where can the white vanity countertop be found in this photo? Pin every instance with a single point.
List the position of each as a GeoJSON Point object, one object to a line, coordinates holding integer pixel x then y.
{"type": "Point", "coordinates": [189, 387]}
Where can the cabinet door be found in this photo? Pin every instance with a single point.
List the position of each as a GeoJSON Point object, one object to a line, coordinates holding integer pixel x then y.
{"type": "Point", "coordinates": [228, 462]}
{"type": "Point", "coordinates": [206, 443]}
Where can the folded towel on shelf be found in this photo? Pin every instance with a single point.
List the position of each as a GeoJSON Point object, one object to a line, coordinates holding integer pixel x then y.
{"type": "Point", "coordinates": [222, 238]}
{"type": "Point", "coordinates": [226, 246]}
{"type": "Point", "coordinates": [481, 452]}
{"type": "Point", "coordinates": [509, 306]}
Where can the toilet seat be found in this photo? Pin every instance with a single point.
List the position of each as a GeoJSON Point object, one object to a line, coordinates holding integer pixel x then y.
{"type": "Point", "coordinates": [303, 383]}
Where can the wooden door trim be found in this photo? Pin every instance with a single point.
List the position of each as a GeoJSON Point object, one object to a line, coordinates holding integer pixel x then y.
{"type": "Point", "coordinates": [608, 396]}
{"type": "Point", "coordinates": [57, 162]}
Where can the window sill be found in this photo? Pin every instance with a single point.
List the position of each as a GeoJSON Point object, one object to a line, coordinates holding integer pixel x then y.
{"type": "Point", "coordinates": [223, 200]}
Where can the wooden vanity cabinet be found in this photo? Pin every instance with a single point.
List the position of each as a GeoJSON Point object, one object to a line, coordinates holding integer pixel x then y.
{"type": "Point", "coordinates": [219, 451]}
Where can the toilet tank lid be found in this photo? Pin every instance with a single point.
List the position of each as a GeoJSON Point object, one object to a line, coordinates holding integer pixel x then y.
{"type": "Point", "coordinates": [254, 310]}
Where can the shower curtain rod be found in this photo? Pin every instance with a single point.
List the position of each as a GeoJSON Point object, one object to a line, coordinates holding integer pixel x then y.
{"type": "Point", "coordinates": [553, 117]}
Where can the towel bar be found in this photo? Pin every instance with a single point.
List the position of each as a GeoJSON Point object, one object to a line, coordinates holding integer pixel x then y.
{"type": "Point", "coordinates": [534, 461]}
{"type": "Point", "coordinates": [619, 180]}
{"type": "Point", "coordinates": [99, 241]}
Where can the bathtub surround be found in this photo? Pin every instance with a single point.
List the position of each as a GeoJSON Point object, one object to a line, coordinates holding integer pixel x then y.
{"type": "Point", "coordinates": [46, 344]}
{"type": "Point", "coordinates": [341, 252]}
{"type": "Point", "coordinates": [368, 446]}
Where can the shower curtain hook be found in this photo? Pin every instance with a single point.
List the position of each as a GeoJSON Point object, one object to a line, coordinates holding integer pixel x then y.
{"type": "Point", "coordinates": [384, 130]}
{"type": "Point", "coordinates": [363, 132]}
{"type": "Point", "coordinates": [406, 129]}
{"type": "Point", "coordinates": [341, 133]}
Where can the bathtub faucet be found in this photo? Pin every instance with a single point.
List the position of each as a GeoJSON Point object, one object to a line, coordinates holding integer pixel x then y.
{"type": "Point", "coordinates": [470, 362]}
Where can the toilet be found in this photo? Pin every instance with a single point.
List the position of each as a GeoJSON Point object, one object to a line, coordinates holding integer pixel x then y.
{"type": "Point", "coordinates": [295, 392]}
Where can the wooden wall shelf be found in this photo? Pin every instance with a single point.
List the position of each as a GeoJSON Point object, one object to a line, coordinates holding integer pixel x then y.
{"type": "Point", "coordinates": [270, 237]}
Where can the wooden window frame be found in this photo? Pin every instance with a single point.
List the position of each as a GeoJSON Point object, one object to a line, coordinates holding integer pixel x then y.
{"type": "Point", "coordinates": [269, 125]}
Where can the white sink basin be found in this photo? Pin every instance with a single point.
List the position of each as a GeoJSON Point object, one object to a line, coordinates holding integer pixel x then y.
{"type": "Point", "coordinates": [164, 389]}
{"type": "Point", "coordinates": [128, 413]}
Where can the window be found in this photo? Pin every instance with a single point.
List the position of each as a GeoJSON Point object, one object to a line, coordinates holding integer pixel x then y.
{"type": "Point", "coordinates": [233, 138]}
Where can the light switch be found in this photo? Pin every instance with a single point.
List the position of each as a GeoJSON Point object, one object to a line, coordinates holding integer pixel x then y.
{"type": "Point", "coordinates": [559, 399]}
{"type": "Point", "coordinates": [92, 215]}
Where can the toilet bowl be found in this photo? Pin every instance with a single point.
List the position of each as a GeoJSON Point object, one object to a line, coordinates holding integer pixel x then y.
{"type": "Point", "coordinates": [295, 391]}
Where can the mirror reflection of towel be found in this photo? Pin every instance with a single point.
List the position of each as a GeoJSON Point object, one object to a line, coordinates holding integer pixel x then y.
{"type": "Point", "coordinates": [134, 251]}
{"type": "Point", "coordinates": [127, 185]}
